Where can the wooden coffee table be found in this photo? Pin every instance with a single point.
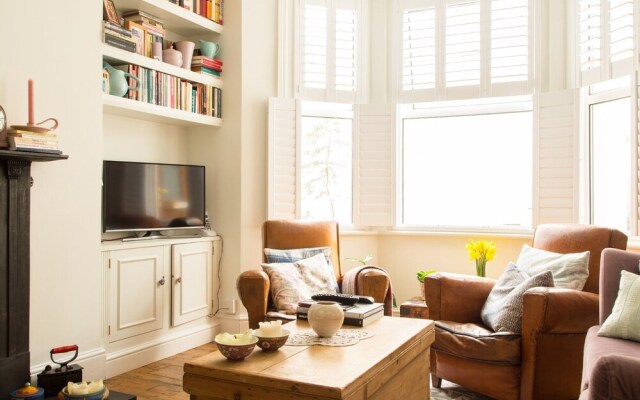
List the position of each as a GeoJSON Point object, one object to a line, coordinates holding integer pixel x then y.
{"type": "Point", "coordinates": [393, 364]}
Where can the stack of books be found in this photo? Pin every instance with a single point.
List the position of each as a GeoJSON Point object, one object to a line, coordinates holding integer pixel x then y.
{"type": "Point", "coordinates": [117, 36]}
{"type": "Point", "coordinates": [357, 314]}
{"type": "Point", "coordinates": [146, 29]}
{"type": "Point", "coordinates": [211, 9]}
{"type": "Point", "coordinates": [22, 139]}
{"type": "Point", "coordinates": [206, 65]}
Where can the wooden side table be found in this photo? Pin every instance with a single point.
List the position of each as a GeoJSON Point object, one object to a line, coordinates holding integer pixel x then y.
{"type": "Point", "coordinates": [414, 308]}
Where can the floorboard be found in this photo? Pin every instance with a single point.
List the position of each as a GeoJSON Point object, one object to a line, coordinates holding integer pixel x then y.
{"type": "Point", "coordinates": [161, 380]}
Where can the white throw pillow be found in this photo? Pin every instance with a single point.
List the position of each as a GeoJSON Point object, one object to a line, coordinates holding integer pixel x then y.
{"type": "Point", "coordinates": [569, 271]}
{"type": "Point", "coordinates": [624, 321]}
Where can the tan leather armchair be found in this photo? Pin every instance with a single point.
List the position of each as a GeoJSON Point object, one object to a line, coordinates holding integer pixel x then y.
{"type": "Point", "coordinates": [545, 361]}
{"type": "Point", "coordinates": [253, 286]}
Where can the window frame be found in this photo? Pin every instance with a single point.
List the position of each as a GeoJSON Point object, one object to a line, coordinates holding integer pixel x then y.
{"type": "Point", "coordinates": [586, 152]}
{"type": "Point", "coordinates": [450, 109]}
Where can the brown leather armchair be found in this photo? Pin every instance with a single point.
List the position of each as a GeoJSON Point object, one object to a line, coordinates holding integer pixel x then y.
{"type": "Point", "coordinates": [253, 286]}
{"type": "Point", "coordinates": [545, 361]}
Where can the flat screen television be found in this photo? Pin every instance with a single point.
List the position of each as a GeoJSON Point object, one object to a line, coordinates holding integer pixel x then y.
{"type": "Point", "coordinates": [151, 197]}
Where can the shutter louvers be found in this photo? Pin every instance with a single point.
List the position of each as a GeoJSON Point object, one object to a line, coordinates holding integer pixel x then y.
{"type": "Point", "coordinates": [509, 41]}
{"type": "Point", "coordinates": [620, 37]}
{"type": "Point", "coordinates": [376, 166]}
{"type": "Point", "coordinates": [557, 170]}
{"type": "Point", "coordinates": [462, 44]}
{"type": "Point", "coordinates": [314, 49]}
{"type": "Point", "coordinates": [282, 164]}
{"type": "Point", "coordinates": [590, 40]}
{"type": "Point", "coordinates": [346, 49]}
{"type": "Point", "coordinates": [419, 49]}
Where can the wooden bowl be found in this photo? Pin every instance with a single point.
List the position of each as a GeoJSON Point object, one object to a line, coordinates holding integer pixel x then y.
{"type": "Point", "coordinates": [236, 352]}
{"type": "Point", "coordinates": [271, 343]}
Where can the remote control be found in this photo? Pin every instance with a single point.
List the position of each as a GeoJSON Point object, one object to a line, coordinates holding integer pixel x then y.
{"type": "Point", "coordinates": [342, 298]}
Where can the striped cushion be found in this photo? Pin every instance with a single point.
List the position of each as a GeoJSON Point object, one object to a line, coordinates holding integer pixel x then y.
{"type": "Point", "coordinates": [624, 321]}
{"type": "Point", "coordinates": [570, 271]}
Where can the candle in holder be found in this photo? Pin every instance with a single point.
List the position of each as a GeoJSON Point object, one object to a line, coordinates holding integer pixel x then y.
{"type": "Point", "coordinates": [30, 93]}
{"type": "Point", "coordinates": [270, 328]}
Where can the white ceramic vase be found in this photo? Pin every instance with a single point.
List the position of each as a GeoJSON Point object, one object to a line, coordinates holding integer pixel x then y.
{"type": "Point", "coordinates": [325, 318]}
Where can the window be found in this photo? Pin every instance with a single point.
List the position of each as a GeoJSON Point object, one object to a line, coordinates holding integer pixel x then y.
{"type": "Point", "coordinates": [605, 39]}
{"type": "Point", "coordinates": [468, 166]}
{"type": "Point", "coordinates": [454, 49]}
{"type": "Point", "coordinates": [330, 50]}
{"type": "Point", "coordinates": [610, 155]}
{"type": "Point", "coordinates": [326, 146]}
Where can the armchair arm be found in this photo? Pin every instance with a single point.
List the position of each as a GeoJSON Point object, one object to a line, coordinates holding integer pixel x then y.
{"type": "Point", "coordinates": [554, 325]}
{"type": "Point", "coordinates": [253, 289]}
{"type": "Point", "coordinates": [375, 283]}
{"type": "Point", "coordinates": [456, 297]}
{"type": "Point", "coordinates": [614, 377]}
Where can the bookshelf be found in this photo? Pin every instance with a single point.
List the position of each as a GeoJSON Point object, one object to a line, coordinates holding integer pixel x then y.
{"type": "Point", "coordinates": [178, 22]}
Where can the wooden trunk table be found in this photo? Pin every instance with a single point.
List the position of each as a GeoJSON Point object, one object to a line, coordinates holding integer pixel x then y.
{"type": "Point", "coordinates": [393, 364]}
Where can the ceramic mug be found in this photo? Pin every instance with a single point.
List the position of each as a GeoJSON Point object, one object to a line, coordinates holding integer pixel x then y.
{"type": "Point", "coordinates": [186, 48]}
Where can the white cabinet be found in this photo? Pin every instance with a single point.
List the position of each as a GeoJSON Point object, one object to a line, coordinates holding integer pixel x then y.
{"type": "Point", "coordinates": [136, 280]}
{"type": "Point", "coordinates": [154, 287]}
{"type": "Point", "coordinates": [191, 293]}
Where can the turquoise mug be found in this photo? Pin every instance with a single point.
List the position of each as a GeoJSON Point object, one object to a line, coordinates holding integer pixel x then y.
{"type": "Point", "coordinates": [209, 49]}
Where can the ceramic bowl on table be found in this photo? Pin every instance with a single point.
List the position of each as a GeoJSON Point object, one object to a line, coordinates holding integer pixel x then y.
{"type": "Point", "coordinates": [99, 395]}
{"type": "Point", "coordinates": [236, 352]}
{"type": "Point", "coordinates": [271, 343]}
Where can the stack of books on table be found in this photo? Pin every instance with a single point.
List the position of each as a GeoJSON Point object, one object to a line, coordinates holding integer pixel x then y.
{"type": "Point", "coordinates": [22, 139]}
{"type": "Point", "coordinates": [358, 314]}
{"type": "Point", "coordinates": [206, 65]}
{"type": "Point", "coordinates": [117, 36]}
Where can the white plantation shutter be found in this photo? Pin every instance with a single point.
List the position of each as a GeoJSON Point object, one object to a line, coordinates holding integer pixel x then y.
{"type": "Point", "coordinates": [511, 47]}
{"type": "Point", "coordinates": [462, 44]}
{"type": "Point", "coordinates": [459, 49]}
{"type": "Point", "coordinates": [418, 70]}
{"type": "Point", "coordinates": [375, 184]}
{"type": "Point", "coordinates": [606, 33]}
{"type": "Point", "coordinates": [282, 161]}
{"type": "Point", "coordinates": [556, 146]}
{"type": "Point", "coordinates": [620, 37]}
{"type": "Point", "coordinates": [330, 50]}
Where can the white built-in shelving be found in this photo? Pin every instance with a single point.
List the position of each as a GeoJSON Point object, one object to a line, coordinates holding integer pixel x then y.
{"type": "Point", "coordinates": [178, 21]}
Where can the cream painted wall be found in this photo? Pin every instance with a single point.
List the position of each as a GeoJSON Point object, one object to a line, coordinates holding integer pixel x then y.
{"type": "Point", "coordinates": [54, 43]}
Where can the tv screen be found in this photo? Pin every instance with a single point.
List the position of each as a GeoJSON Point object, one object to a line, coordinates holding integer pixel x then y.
{"type": "Point", "coordinates": [151, 197]}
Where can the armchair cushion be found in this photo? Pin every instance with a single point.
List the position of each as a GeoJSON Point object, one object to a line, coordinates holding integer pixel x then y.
{"type": "Point", "coordinates": [476, 342]}
{"type": "Point", "coordinates": [293, 255]}
{"type": "Point", "coordinates": [569, 270]}
{"type": "Point", "coordinates": [503, 309]}
{"type": "Point", "coordinates": [623, 322]}
{"type": "Point", "coordinates": [292, 282]}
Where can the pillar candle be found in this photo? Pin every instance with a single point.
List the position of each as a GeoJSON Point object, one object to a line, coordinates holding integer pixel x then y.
{"type": "Point", "coordinates": [31, 119]}
{"type": "Point", "coordinates": [270, 328]}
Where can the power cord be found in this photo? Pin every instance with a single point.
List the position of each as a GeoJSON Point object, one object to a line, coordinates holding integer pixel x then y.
{"type": "Point", "coordinates": [218, 309]}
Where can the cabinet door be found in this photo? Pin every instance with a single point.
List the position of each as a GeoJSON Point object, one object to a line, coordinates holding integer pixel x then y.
{"type": "Point", "coordinates": [135, 291]}
{"type": "Point", "coordinates": [192, 270]}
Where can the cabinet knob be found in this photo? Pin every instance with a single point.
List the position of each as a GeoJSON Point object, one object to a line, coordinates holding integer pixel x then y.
{"type": "Point", "coordinates": [161, 281]}
{"type": "Point", "coordinates": [179, 280]}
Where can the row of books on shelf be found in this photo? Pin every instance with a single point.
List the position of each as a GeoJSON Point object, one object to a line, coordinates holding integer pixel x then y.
{"type": "Point", "coordinates": [210, 9]}
{"type": "Point", "coordinates": [358, 314]}
{"type": "Point", "coordinates": [26, 140]}
{"type": "Point", "coordinates": [170, 91]}
{"type": "Point", "coordinates": [135, 36]}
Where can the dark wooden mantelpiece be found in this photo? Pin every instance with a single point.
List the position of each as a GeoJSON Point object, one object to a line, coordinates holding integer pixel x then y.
{"type": "Point", "coordinates": [15, 184]}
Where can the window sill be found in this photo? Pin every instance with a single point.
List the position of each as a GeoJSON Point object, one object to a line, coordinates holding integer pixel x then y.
{"type": "Point", "coordinates": [486, 233]}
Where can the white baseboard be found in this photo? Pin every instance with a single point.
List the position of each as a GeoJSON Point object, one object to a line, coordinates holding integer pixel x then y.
{"type": "Point", "coordinates": [234, 323]}
{"type": "Point", "coordinates": [125, 360]}
{"type": "Point", "coordinates": [91, 361]}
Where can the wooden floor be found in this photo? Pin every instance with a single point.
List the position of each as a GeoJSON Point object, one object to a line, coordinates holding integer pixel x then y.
{"type": "Point", "coordinates": [161, 380]}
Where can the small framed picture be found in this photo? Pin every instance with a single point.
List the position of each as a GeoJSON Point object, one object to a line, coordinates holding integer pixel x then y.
{"type": "Point", "coordinates": [109, 12]}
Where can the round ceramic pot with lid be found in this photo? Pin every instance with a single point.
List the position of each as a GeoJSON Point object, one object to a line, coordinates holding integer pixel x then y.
{"type": "Point", "coordinates": [325, 318]}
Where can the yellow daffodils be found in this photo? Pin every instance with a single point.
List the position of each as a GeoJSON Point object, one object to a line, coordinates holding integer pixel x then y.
{"type": "Point", "coordinates": [481, 251]}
